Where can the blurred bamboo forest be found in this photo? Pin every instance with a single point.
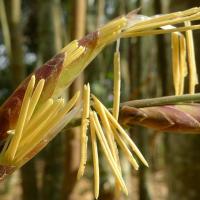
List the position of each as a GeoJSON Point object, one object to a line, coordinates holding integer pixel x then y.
{"type": "Point", "coordinates": [36, 31]}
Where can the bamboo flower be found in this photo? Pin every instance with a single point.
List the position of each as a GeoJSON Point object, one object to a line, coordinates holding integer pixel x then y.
{"type": "Point", "coordinates": [35, 113]}
{"type": "Point", "coordinates": [108, 132]}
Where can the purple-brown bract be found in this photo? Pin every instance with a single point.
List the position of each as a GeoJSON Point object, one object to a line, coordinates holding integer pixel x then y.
{"type": "Point", "coordinates": [176, 118]}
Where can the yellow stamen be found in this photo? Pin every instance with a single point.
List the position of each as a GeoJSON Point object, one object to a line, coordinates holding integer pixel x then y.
{"type": "Point", "coordinates": [191, 59]}
{"type": "Point", "coordinates": [73, 56]}
{"type": "Point", "coordinates": [34, 99]}
{"type": "Point", "coordinates": [125, 149]}
{"type": "Point", "coordinates": [116, 101]}
{"type": "Point", "coordinates": [175, 61]}
{"type": "Point", "coordinates": [95, 159]}
{"type": "Point", "coordinates": [12, 149]}
{"type": "Point", "coordinates": [117, 84]}
{"type": "Point", "coordinates": [84, 126]}
{"type": "Point", "coordinates": [183, 64]}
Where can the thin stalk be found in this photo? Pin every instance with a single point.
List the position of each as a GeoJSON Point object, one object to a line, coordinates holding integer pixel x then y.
{"type": "Point", "coordinates": [160, 101]}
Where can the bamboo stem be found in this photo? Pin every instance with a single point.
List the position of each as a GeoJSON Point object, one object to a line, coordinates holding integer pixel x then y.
{"type": "Point", "coordinates": [5, 27]}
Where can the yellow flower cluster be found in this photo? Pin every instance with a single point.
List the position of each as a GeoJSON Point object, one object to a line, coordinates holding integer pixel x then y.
{"type": "Point", "coordinates": [104, 126]}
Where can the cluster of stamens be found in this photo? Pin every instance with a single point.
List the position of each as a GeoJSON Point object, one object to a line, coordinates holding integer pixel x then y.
{"type": "Point", "coordinates": [105, 128]}
{"type": "Point", "coordinates": [34, 124]}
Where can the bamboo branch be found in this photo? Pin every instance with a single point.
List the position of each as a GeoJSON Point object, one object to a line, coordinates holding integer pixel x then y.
{"type": "Point", "coordinates": [167, 100]}
{"type": "Point", "coordinates": [159, 101]}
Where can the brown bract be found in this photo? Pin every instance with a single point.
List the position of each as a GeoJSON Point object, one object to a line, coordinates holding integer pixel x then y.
{"type": "Point", "coordinates": [176, 118]}
{"type": "Point", "coordinates": [89, 40]}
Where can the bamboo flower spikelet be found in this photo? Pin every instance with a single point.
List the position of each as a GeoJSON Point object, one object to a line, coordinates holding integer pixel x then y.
{"type": "Point", "coordinates": [35, 113]}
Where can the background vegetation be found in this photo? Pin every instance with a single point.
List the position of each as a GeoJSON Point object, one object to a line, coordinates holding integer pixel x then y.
{"type": "Point", "coordinates": [38, 29]}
